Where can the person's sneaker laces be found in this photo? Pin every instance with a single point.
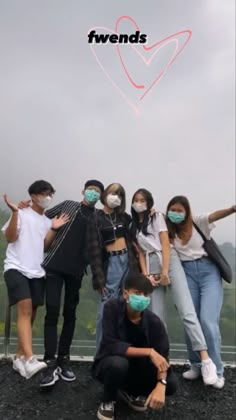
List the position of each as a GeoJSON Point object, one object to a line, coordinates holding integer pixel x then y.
{"type": "Point", "coordinates": [219, 384]}
{"type": "Point", "coordinates": [106, 411]}
{"type": "Point", "coordinates": [64, 370]}
{"type": "Point", "coordinates": [136, 403]}
{"type": "Point", "coordinates": [19, 365]}
{"type": "Point", "coordinates": [49, 376]}
{"type": "Point", "coordinates": [208, 371]}
{"type": "Point", "coordinates": [191, 374]}
{"type": "Point", "coordinates": [33, 366]}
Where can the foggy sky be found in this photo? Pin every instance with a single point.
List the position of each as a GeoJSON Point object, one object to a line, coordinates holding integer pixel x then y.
{"type": "Point", "coordinates": [62, 120]}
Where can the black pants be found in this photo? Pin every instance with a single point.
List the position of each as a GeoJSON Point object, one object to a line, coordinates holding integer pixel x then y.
{"type": "Point", "coordinates": [54, 284]}
{"type": "Point", "coordinates": [138, 377]}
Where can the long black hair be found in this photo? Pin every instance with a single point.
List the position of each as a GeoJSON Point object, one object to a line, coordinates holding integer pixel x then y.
{"type": "Point", "coordinates": [136, 225]}
{"type": "Point", "coordinates": [184, 229]}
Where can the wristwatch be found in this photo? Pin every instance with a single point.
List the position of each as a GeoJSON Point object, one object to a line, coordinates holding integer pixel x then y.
{"type": "Point", "coordinates": [162, 381]}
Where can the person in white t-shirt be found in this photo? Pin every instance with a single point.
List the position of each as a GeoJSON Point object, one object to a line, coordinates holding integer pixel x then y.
{"type": "Point", "coordinates": [163, 267]}
{"type": "Point", "coordinates": [28, 234]}
{"type": "Point", "coordinates": [203, 277]}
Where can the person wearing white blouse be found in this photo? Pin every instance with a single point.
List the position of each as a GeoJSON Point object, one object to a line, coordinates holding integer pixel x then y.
{"type": "Point", "coordinates": [203, 277]}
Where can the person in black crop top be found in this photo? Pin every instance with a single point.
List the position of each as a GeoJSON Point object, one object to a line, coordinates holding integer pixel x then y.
{"type": "Point", "coordinates": [110, 249]}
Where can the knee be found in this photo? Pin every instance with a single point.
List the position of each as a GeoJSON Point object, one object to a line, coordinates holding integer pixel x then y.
{"type": "Point", "coordinates": [209, 326]}
{"type": "Point", "coordinates": [25, 309]}
{"type": "Point", "coordinates": [118, 365]}
{"type": "Point", "coordinates": [69, 313]}
{"type": "Point", "coordinates": [172, 384]}
{"type": "Point", "coordinates": [52, 313]}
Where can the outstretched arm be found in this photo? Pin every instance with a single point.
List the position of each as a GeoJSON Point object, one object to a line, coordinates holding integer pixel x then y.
{"type": "Point", "coordinates": [11, 231]}
{"type": "Point", "coordinates": [220, 214]}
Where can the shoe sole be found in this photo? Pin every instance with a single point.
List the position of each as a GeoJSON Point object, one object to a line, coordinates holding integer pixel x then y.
{"type": "Point", "coordinates": [101, 417]}
{"type": "Point", "coordinates": [55, 379]}
{"type": "Point", "coordinates": [35, 372]}
{"type": "Point", "coordinates": [211, 382]}
{"type": "Point", "coordinates": [126, 401]}
{"type": "Point", "coordinates": [191, 379]}
{"type": "Point", "coordinates": [18, 371]}
{"type": "Point", "coordinates": [63, 377]}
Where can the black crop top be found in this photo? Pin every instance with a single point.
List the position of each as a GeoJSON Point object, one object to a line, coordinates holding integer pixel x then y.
{"type": "Point", "coordinates": [112, 229]}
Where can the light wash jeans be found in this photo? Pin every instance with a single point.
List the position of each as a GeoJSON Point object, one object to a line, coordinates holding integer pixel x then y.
{"type": "Point", "coordinates": [205, 285]}
{"type": "Point", "coordinates": [116, 273]}
{"type": "Point", "coordinates": [181, 297]}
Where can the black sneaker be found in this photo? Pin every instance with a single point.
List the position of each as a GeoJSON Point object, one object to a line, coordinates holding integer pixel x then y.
{"type": "Point", "coordinates": [64, 370]}
{"type": "Point", "coordinates": [106, 411]}
{"type": "Point", "coordinates": [49, 376]}
{"type": "Point", "coordinates": [136, 403]}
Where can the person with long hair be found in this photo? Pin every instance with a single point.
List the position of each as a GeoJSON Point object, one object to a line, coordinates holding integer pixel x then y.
{"type": "Point", "coordinates": [203, 277]}
{"type": "Point", "coordinates": [163, 266]}
{"type": "Point", "coordinates": [111, 253]}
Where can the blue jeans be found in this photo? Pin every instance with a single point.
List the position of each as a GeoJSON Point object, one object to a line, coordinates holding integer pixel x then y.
{"type": "Point", "coordinates": [181, 297]}
{"type": "Point", "coordinates": [116, 272]}
{"type": "Point", "coordinates": [205, 285]}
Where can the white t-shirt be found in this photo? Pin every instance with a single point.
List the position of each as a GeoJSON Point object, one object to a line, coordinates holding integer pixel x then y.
{"type": "Point", "coordinates": [151, 242]}
{"type": "Point", "coordinates": [27, 252]}
{"type": "Point", "coordinates": [193, 249]}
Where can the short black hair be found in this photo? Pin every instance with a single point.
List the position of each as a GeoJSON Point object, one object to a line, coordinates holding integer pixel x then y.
{"type": "Point", "coordinates": [138, 281]}
{"type": "Point", "coordinates": [94, 182]}
{"type": "Point", "coordinates": [40, 186]}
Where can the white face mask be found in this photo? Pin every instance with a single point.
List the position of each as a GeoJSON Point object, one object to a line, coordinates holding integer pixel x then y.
{"type": "Point", "coordinates": [113, 201]}
{"type": "Point", "coordinates": [139, 207]}
{"type": "Point", "coordinates": [44, 202]}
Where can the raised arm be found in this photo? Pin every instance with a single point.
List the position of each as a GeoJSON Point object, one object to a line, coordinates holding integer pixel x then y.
{"type": "Point", "coordinates": [57, 223]}
{"type": "Point", "coordinates": [11, 231]}
{"type": "Point", "coordinates": [220, 214]}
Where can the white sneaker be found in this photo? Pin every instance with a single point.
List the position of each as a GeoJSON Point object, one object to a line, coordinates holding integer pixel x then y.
{"type": "Point", "coordinates": [192, 374]}
{"type": "Point", "coordinates": [219, 384]}
{"type": "Point", "coordinates": [208, 371]}
{"type": "Point", "coordinates": [33, 366]}
{"type": "Point", "coordinates": [19, 365]}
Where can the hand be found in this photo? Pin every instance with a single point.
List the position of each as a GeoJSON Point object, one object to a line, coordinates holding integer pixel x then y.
{"type": "Point", "coordinates": [154, 279]}
{"type": "Point", "coordinates": [159, 361]}
{"type": "Point", "coordinates": [152, 211]}
{"type": "Point", "coordinates": [164, 279]}
{"type": "Point", "coordinates": [156, 399]}
{"type": "Point", "coordinates": [102, 291]}
{"type": "Point", "coordinates": [11, 205]}
{"type": "Point", "coordinates": [60, 221]}
{"type": "Point", "coordinates": [24, 204]}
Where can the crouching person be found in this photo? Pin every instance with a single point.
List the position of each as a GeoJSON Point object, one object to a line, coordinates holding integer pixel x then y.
{"type": "Point", "coordinates": [132, 360]}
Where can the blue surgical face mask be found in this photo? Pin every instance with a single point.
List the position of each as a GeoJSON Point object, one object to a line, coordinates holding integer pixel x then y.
{"type": "Point", "coordinates": [176, 217]}
{"type": "Point", "coordinates": [91, 196]}
{"type": "Point", "coordinates": [138, 302]}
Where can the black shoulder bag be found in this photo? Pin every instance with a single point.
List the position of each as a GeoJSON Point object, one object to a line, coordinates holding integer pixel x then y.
{"type": "Point", "coordinates": [216, 256]}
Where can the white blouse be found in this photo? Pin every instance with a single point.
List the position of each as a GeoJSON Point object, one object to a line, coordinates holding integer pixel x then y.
{"type": "Point", "coordinates": [193, 249]}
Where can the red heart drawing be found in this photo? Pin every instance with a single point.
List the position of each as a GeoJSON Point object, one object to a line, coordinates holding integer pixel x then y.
{"type": "Point", "coordinates": [161, 44]}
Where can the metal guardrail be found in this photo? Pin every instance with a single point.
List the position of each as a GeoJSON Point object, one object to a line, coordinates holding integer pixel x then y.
{"type": "Point", "coordinates": [228, 352]}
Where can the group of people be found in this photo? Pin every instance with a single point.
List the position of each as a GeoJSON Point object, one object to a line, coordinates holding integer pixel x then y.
{"type": "Point", "coordinates": [135, 260]}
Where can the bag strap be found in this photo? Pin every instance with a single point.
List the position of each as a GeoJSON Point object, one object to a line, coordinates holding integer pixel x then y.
{"type": "Point", "coordinates": [200, 232]}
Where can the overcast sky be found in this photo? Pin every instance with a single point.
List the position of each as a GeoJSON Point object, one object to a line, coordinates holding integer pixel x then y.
{"type": "Point", "coordinates": [62, 120]}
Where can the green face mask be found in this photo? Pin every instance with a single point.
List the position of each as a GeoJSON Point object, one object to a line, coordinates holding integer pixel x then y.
{"type": "Point", "coordinates": [91, 196]}
{"type": "Point", "coordinates": [138, 302]}
{"type": "Point", "coordinates": [176, 217]}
